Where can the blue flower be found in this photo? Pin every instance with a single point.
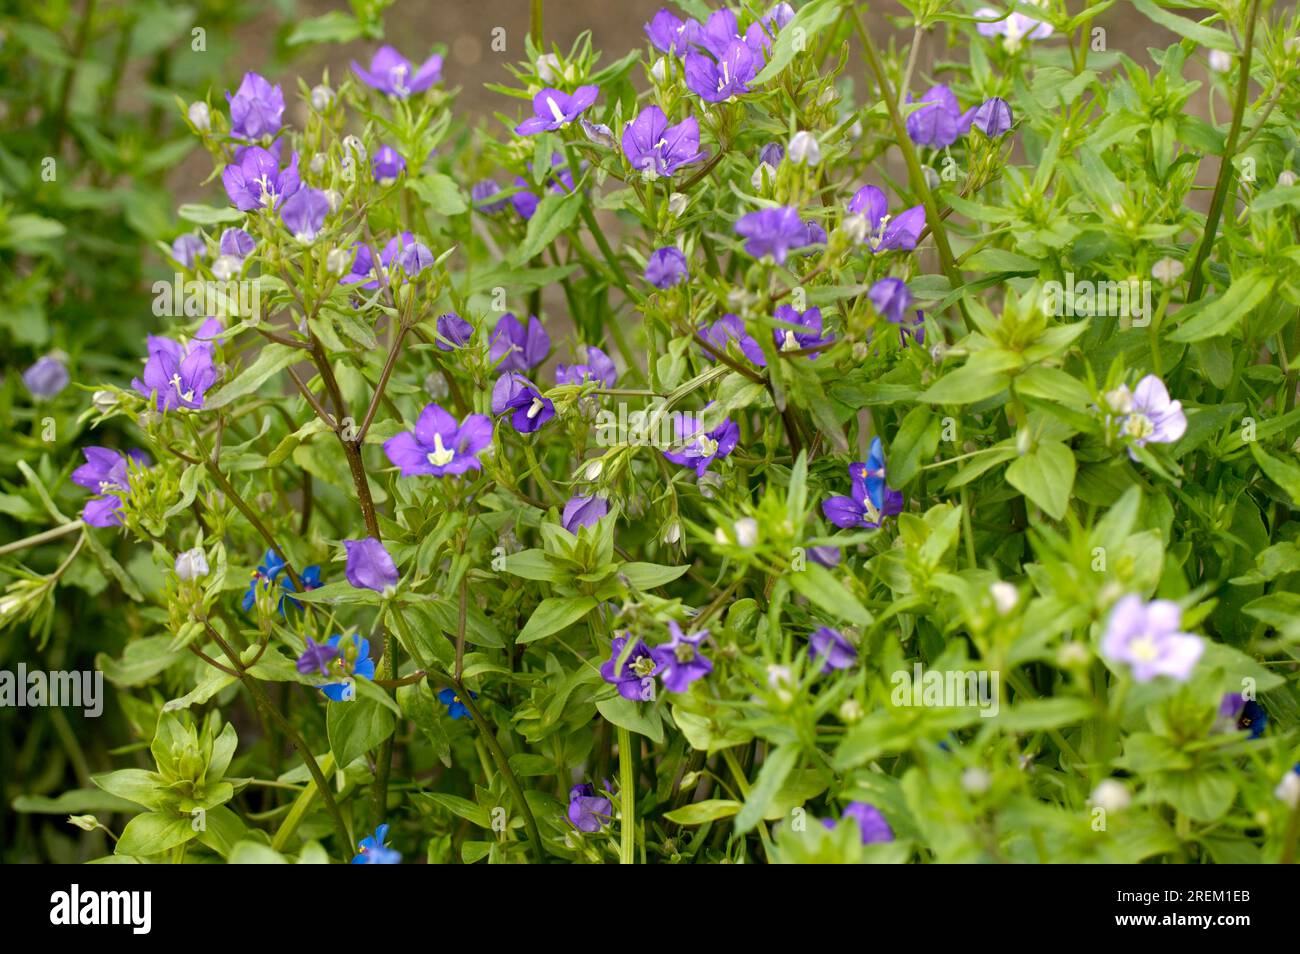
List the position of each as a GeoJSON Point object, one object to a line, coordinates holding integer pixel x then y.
{"type": "Point", "coordinates": [353, 660]}
{"type": "Point", "coordinates": [451, 699]}
{"type": "Point", "coordinates": [375, 852]}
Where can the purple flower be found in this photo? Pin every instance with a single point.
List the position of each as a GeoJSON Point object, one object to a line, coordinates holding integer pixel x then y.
{"type": "Point", "coordinates": [814, 235]}
{"type": "Point", "coordinates": [913, 330]}
{"type": "Point", "coordinates": [176, 375]}
{"type": "Point", "coordinates": [588, 811]}
{"type": "Point", "coordinates": [529, 410]}
{"type": "Point", "coordinates": [387, 165]}
{"type": "Point", "coordinates": [237, 243]}
{"type": "Point", "coordinates": [414, 259]}
{"type": "Point", "coordinates": [787, 339]}
{"type": "Point", "coordinates": [583, 512]}
{"type": "Point", "coordinates": [666, 267]}
{"type": "Point", "coordinates": [772, 154]}
{"type": "Point", "coordinates": [484, 190]}
{"type": "Point", "coordinates": [1151, 416]}
{"type": "Point", "coordinates": [716, 81]}
{"type": "Point", "coordinates": [188, 249]}
{"type": "Point", "coordinates": [939, 121]}
{"type": "Point", "coordinates": [456, 707]}
{"type": "Point", "coordinates": [634, 676]}
{"type": "Point", "coordinates": [351, 662]}
{"type": "Point", "coordinates": [779, 16]}
{"type": "Point", "coordinates": [1146, 636]}
{"type": "Point", "coordinates": [772, 232]}
{"type": "Point", "coordinates": [890, 298]}
{"type": "Point", "coordinates": [730, 328]}
{"type": "Point", "coordinates": [46, 378]}
{"type": "Point", "coordinates": [453, 332]}
{"type": "Point", "coordinates": [993, 117]}
{"type": "Point", "coordinates": [518, 347]}
{"type": "Point", "coordinates": [363, 264]}
{"type": "Point", "coordinates": [599, 367]}
{"type": "Point", "coordinates": [700, 450]}
{"type": "Point", "coordinates": [1237, 714]}
{"type": "Point", "coordinates": [900, 232]}
{"type": "Point", "coordinates": [439, 446]}
{"type": "Point", "coordinates": [554, 109]}
{"type": "Point", "coordinates": [303, 213]}
{"type": "Point", "coordinates": [106, 474]}
{"type": "Point", "coordinates": [872, 499]}
{"type": "Point", "coordinates": [316, 658]}
{"type": "Point", "coordinates": [256, 108]}
{"type": "Point", "coordinates": [871, 823]}
{"type": "Point", "coordinates": [721, 30]}
{"type": "Point", "coordinates": [370, 567]}
{"type": "Point", "coordinates": [525, 202]}
{"type": "Point", "coordinates": [670, 33]}
{"type": "Point", "coordinates": [256, 180]}
{"type": "Point", "coordinates": [827, 646]}
{"type": "Point", "coordinates": [826, 556]}
{"type": "Point", "coordinates": [373, 851]}
{"type": "Point", "coordinates": [680, 661]}
{"type": "Point", "coordinates": [657, 149]}
{"type": "Point", "coordinates": [391, 73]}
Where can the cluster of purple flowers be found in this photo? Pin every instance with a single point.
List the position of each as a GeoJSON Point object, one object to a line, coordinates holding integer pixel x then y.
{"type": "Point", "coordinates": [107, 475]}
{"type": "Point", "coordinates": [720, 62]}
{"type": "Point", "coordinates": [939, 121]}
{"type": "Point", "coordinates": [177, 374]}
{"type": "Point", "coordinates": [633, 666]}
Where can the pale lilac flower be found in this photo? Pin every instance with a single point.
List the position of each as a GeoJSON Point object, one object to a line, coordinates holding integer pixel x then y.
{"type": "Point", "coordinates": [730, 328]}
{"type": "Point", "coordinates": [993, 117]}
{"type": "Point", "coordinates": [588, 812]}
{"type": "Point", "coordinates": [482, 192]}
{"type": "Point", "coordinates": [518, 347]}
{"type": "Point", "coordinates": [46, 378]}
{"type": "Point", "coordinates": [1146, 636]}
{"type": "Point", "coordinates": [680, 661]}
{"type": "Point", "coordinates": [370, 566]}
{"type": "Point", "coordinates": [387, 164]}
{"type": "Point", "coordinates": [176, 375]}
{"type": "Point", "coordinates": [940, 121]}
{"type": "Point", "coordinates": [772, 232]}
{"type": "Point", "coordinates": [666, 267]}
{"type": "Point", "coordinates": [188, 249]}
{"type": "Point", "coordinates": [256, 108]}
{"type": "Point", "coordinates": [832, 650]}
{"type": "Point", "coordinates": [256, 180]}
{"type": "Point", "coordinates": [439, 446]}
{"type": "Point", "coordinates": [453, 332]}
{"type": "Point", "coordinates": [872, 826]}
{"type": "Point", "coordinates": [303, 213]}
{"type": "Point", "coordinates": [890, 298]}
{"type": "Point", "coordinates": [716, 81]}
{"type": "Point", "coordinates": [529, 409]}
{"type": "Point", "coordinates": [598, 367]}
{"type": "Point", "coordinates": [699, 450]}
{"type": "Point", "coordinates": [887, 232]}
{"type": "Point", "coordinates": [1153, 417]}
{"type": "Point", "coordinates": [658, 149]}
{"type": "Point", "coordinates": [554, 109]}
{"type": "Point", "coordinates": [583, 512]}
{"type": "Point", "coordinates": [392, 73]}
{"type": "Point", "coordinates": [1012, 28]}
{"type": "Point", "coordinates": [237, 243]}
{"type": "Point", "coordinates": [772, 154]}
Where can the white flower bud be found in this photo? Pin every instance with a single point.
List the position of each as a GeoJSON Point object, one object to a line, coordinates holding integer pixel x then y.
{"type": "Point", "coordinates": [673, 533]}
{"type": "Point", "coordinates": [746, 531]}
{"type": "Point", "coordinates": [84, 822]}
{"type": "Point", "coordinates": [850, 711]}
{"type": "Point", "coordinates": [659, 72]}
{"type": "Point", "coordinates": [337, 261]}
{"type": "Point", "coordinates": [827, 96]}
{"type": "Point", "coordinates": [756, 180]}
{"type": "Point", "coordinates": [1005, 596]}
{"type": "Point", "coordinates": [804, 149]}
{"type": "Point", "coordinates": [200, 117]}
{"type": "Point", "coordinates": [104, 401]}
{"type": "Point", "coordinates": [976, 780]}
{"type": "Point", "coordinates": [1220, 61]}
{"type": "Point", "coordinates": [317, 164]}
{"type": "Point", "coordinates": [855, 131]}
{"type": "Point", "coordinates": [226, 267]}
{"type": "Point", "coordinates": [594, 468]}
{"type": "Point", "coordinates": [548, 67]}
{"type": "Point", "coordinates": [1110, 795]}
{"type": "Point", "coordinates": [192, 564]}
{"type": "Point", "coordinates": [1073, 654]}
{"type": "Point", "coordinates": [355, 144]}
{"type": "Point", "coordinates": [321, 97]}
{"type": "Point", "coordinates": [1120, 400]}
{"type": "Point", "coordinates": [1288, 790]}
{"type": "Point", "coordinates": [932, 179]}
{"type": "Point", "coordinates": [857, 228]}
{"type": "Point", "coordinates": [677, 204]}
{"type": "Point", "coordinates": [1286, 178]}
{"type": "Point", "coordinates": [1167, 270]}
{"type": "Point", "coordinates": [435, 382]}
{"type": "Point", "coordinates": [334, 198]}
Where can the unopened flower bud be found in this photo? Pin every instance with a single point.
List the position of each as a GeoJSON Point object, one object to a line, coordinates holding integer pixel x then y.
{"type": "Point", "coordinates": [200, 117]}
{"type": "Point", "coordinates": [104, 401]}
{"type": "Point", "coordinates": [1220, 61]}
{"type": "Point", "coordinates": [1167, 270]}
{"type": "Point", "coordinates": [317, 164]}
{"type": "Point", "coordinates": [192, 564]}
{"type": "Point", "coordinates": [548, 68]}
{"type": "Point", "coordinates": [1286, 178]}
{"type": "Point", "coordinates": [659, 72]}
{"type": "Point", "coordinates": [804, 149]}
{"type": "Point", "coordinates": [1110, 796]}
{"type": "Point", "coordinates": [677, 204]}
{"type": "Point", "coordinates": [1005, 596]}
{"type": "Point", "coordinates": [746, 531]}
{"type": "Point", "coordinates": [321, 97]}
{"type": "Point", "coordinates": [435, 382]}
{"type": "Point", "coordinates": [593, 468]}
{"type": "Point", "coordinates": [976, 781]}
{"type": "Point", "coordinates": [226, 267]}
{"type": "Point", "coordinates": [672, 533]}
{"type": "Point", "coordinates": [337, 261]}
{"type": "Point", "coordinates": [761, 171]}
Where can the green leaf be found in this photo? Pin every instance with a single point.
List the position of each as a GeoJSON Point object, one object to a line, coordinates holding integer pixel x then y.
{"type": "Point", "coordinates": [776, 767]}
{"type": "Point", "coordinates": [1282, 472]}
{"type": "Point", "coordinates": [822, 587]}
{"type": "Point", "coordinates": [1203, 35]}
{"type": "Point", "coordinates": [554, 614]}
{"type": "Point", "coordinates": [796, 36]}
{"type": "Point", "coordinates": [1219, 315]}
{"type": "Point", "coordinates": [639, 717]}
{"type": "Point", "coordinates": [440, 193]}
{"type": "Point", "coordinates": [532, 564]}
{"type": "Point", "coordinates": [554, 214]}
{"type": "Point", "coordinates": [646, 576]}
{"type": "Point", "coordinates": [333, 27]}
{"type": "Point", "coordinates": [1046, 476]}
{"type": "Point", "coordinates": [273, 359]}
{"type": "Point", "coordinates": [154, 833]}
{"type": "Point", "coordinates": [356, 727]}
{"type": "Point", "coordinates": [209, 215]}
{"type": "Point", "coordinates": [698, 813]}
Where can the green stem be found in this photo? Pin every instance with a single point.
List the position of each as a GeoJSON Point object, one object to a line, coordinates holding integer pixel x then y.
{"type": "Point", "coordinates": [39, 538]}
{"type": "Point", "coordinates": [627, 795]}
{"type": "Point", "coordinates": [535, 23]}
{"type": "Point", "coordinates": [1224, 184]}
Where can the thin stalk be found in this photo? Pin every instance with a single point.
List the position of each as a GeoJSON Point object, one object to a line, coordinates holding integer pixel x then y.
{"type": "Point", "coordinates": [627, 796]}
{"type": "Point", "coordinates": [44, 537]}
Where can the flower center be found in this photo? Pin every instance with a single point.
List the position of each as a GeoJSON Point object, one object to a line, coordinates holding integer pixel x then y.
{"type": "Point", "coordinates": [1138, 426]}
{"type": "Point", "coordinates": [684, 652]}
{"type": "Point", "coordinates": [440, 456]}
{"type": "Point", "coordinates": [791, 343]}
{"type": "Point", "coordinates": [535, 408]}
{"type": "Point", "coordinates": [644, 666]}
{"type": "Point", "coordinates": [397, 79]}
{"type": "Point", "coordinates": [555, 109]}
{"type": "Point", "coordinates": [1144, 649]}
{"type": "Point", "coordinates": [707, 445]}
{"type": "Point", "coordinates": [186, 396]}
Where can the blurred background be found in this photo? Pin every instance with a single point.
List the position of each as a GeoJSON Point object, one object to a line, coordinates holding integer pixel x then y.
{"type": "Point", "coordinates": [94, 159]}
